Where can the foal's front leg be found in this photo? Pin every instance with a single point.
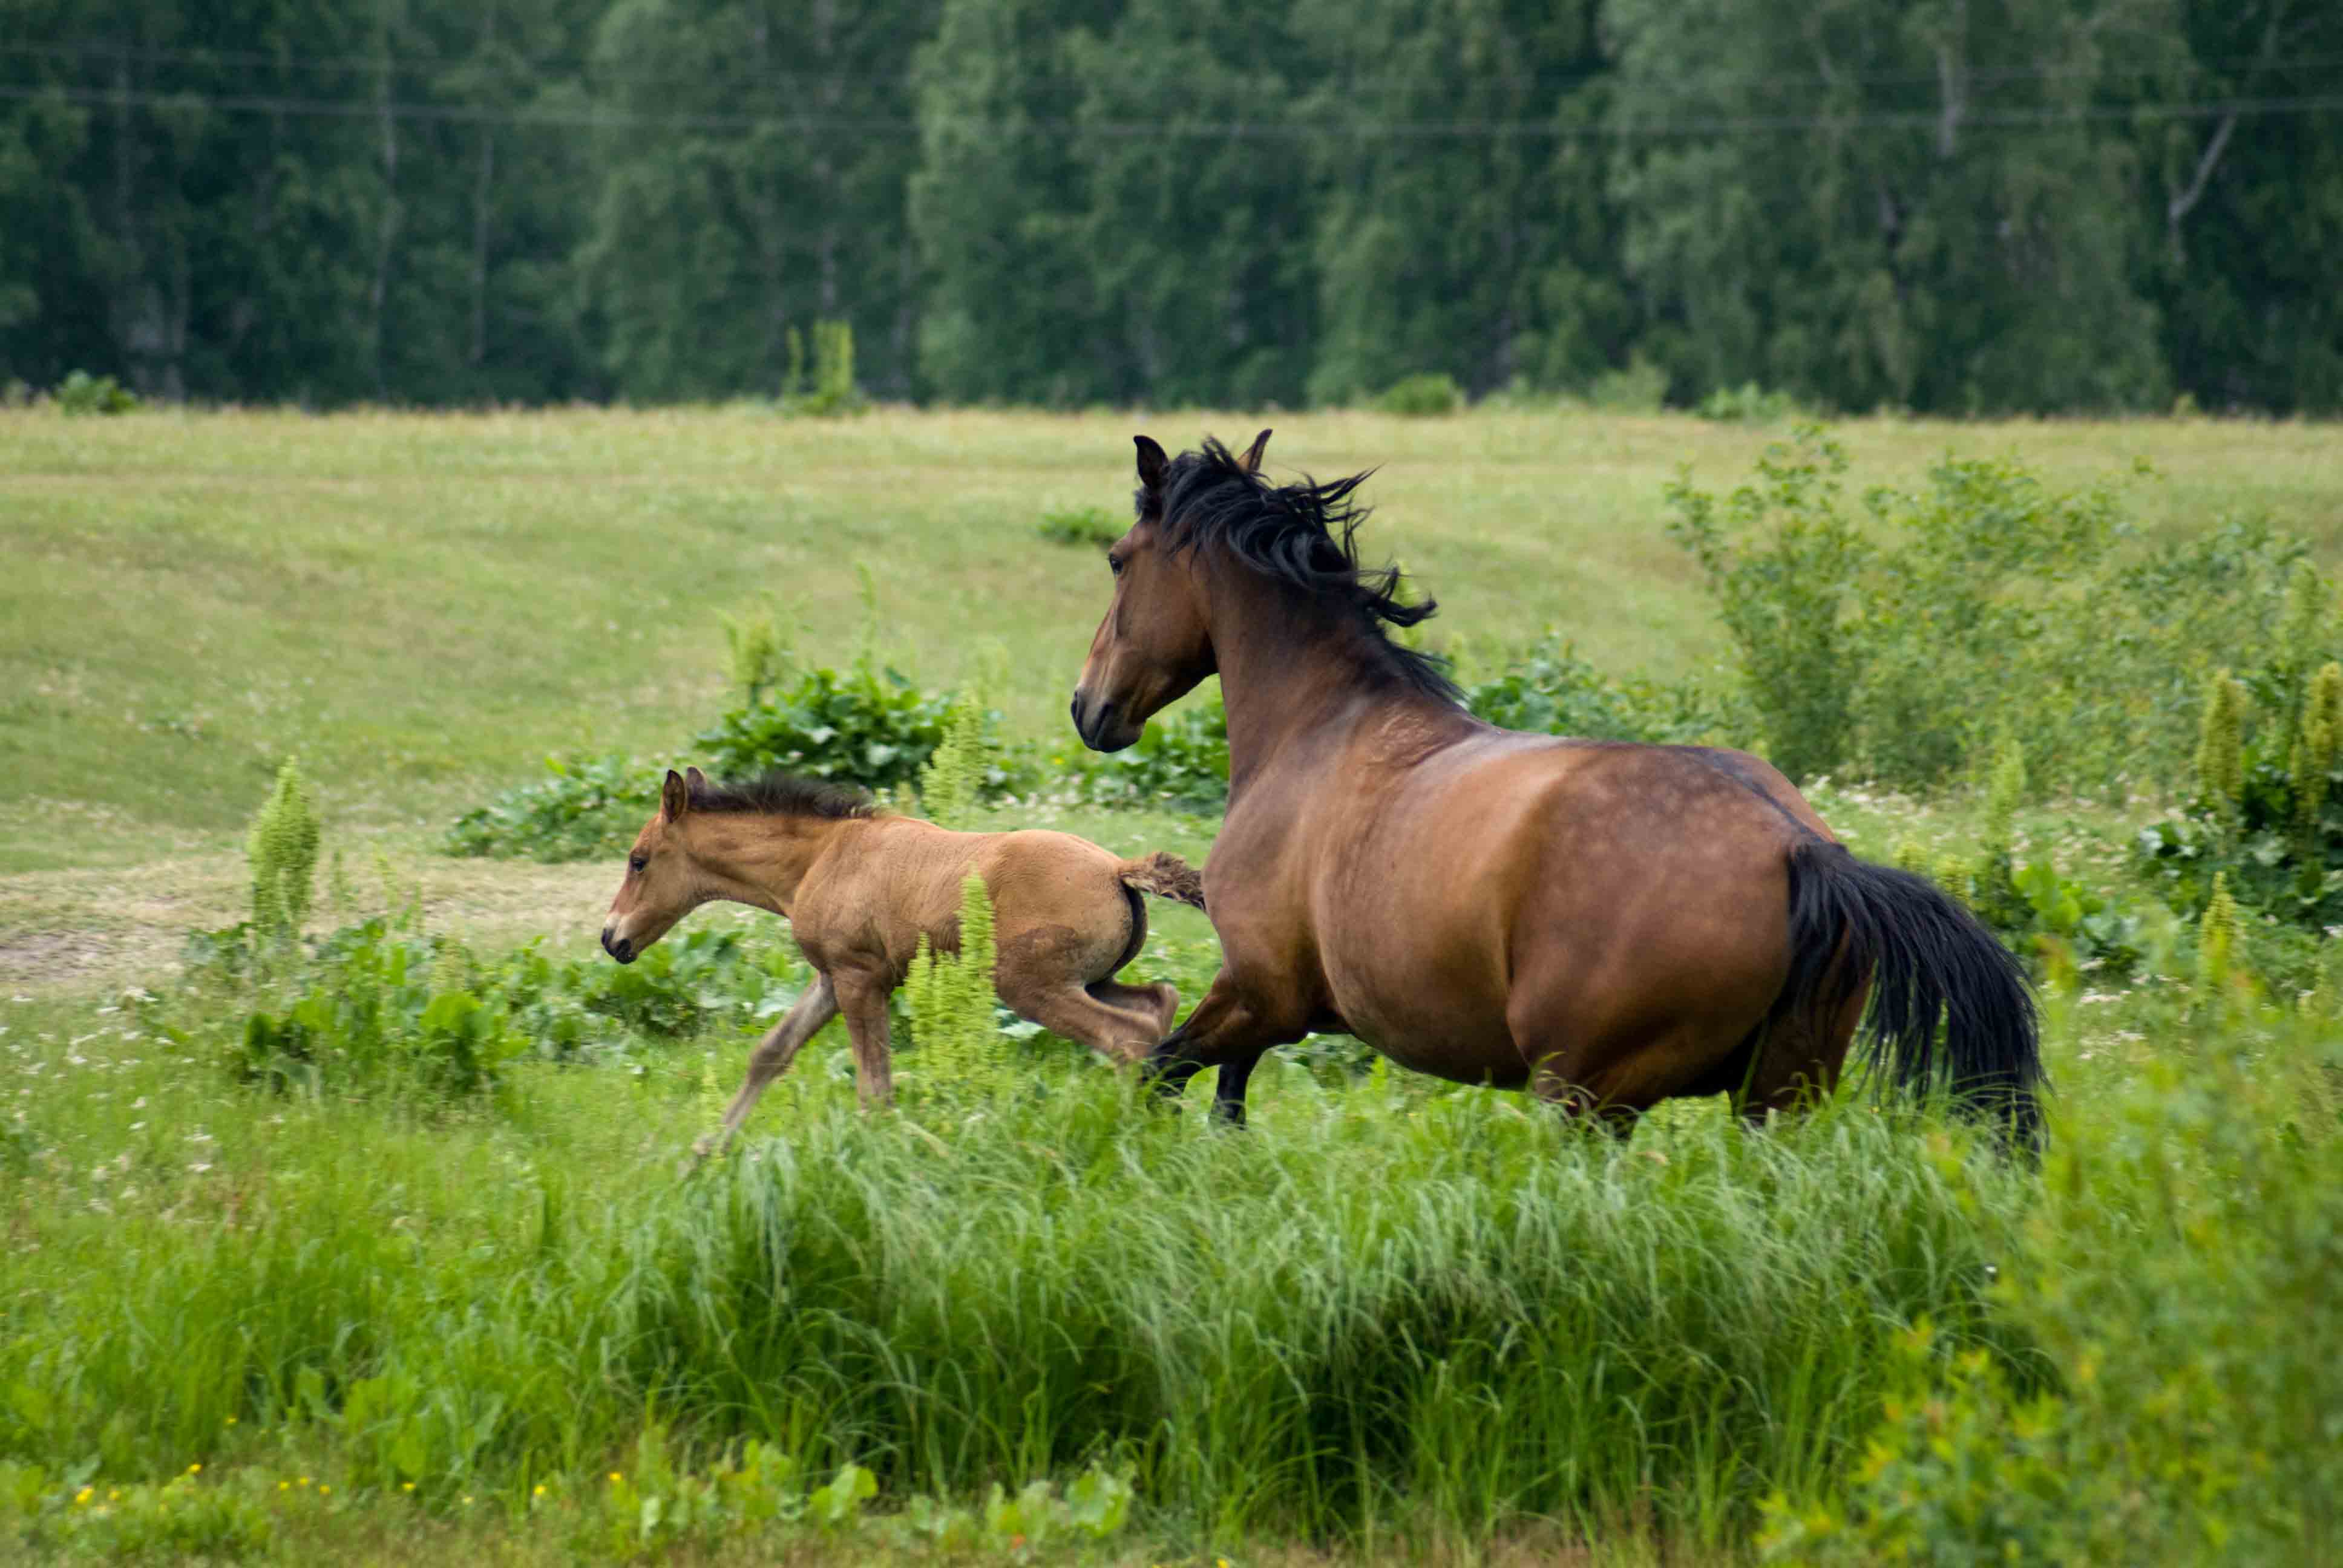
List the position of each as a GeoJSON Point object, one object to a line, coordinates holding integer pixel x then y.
{"type": "Point", "coordinates": [862, 997]}
{"type": "Point", "coordinates": [816, 1007]}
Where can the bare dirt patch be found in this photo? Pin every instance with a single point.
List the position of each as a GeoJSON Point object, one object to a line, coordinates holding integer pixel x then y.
{"type": "Point", "coordinates": [96, 931]}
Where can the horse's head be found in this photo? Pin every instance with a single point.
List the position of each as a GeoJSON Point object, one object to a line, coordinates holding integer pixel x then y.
{"type": "Point", "coordinates": [661, 885]}
{"type": "Point", "coordinates": [1153, 645]}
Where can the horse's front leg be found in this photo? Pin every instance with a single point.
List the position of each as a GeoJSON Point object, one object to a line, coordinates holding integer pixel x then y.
{"type": "Point", "coordinates": [1228, 1031]}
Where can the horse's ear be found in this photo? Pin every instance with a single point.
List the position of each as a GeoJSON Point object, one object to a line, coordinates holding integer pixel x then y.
{"type": "Point", "coordinates": [675, 797]}
{"type": "Point", "coordinates": [695, 778]}
{"type": "Point", "coordinates": [1251, 461]}
{"type": "Point", "coordinates": [1152, 462]}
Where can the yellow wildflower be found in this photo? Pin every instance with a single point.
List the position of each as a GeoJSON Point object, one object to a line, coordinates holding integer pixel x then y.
{"type": "Point", "coordinates": [82, 1496]}
{"type": "Point", "coordinates": [195, 1470]}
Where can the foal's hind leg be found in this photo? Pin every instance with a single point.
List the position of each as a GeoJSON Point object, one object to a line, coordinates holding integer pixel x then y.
{"type": "Point", "coordinates": [1122, 1034]}
{"type": "Point", "coordinates": [1162, 999]}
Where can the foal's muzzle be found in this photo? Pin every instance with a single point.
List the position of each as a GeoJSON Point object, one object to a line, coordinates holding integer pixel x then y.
{"type": "Point", "coordinates": [618, 948]}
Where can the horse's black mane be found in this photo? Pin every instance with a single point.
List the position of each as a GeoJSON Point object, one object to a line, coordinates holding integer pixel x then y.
{"type": "Point", "coordinates": [1304, 535]}
{"type": "Point", "coordinates": [785, 795]}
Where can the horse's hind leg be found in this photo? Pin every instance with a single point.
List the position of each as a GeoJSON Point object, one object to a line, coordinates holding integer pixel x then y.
{"type": "Point", "coordinates": [1798, 1061]}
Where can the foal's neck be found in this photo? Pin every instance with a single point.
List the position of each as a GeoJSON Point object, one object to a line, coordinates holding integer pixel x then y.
{"type": "Point", "coordinates": [759, 860]}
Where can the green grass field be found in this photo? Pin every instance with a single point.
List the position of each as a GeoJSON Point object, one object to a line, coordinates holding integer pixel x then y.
{"type": "Point", "coordinates": [428, 604]}
{"type": "Point", "coordinates": [1396, 1321]}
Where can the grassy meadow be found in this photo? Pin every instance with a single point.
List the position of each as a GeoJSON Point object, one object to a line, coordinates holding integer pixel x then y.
{"type": "Point", "coordinates": [374, 1321]}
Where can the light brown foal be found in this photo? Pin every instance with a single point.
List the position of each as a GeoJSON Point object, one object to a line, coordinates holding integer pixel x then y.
{"type": "Point", "coordinates": [860, 887]}
{"type": "Point", "coordinates": [1605, 924]}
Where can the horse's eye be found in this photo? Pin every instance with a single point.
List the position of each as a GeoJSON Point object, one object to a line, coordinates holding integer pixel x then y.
{"type": "Point", "coordinates": [1115, 565]}
{"type": "Point", "coordinates": [637, 862]}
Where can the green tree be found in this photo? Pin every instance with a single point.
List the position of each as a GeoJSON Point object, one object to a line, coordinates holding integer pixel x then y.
{"type": "Point", "coordinates": [1458, 230]}
{"type": "Point", "coordinates": [1866, 203]}
{"type": "Point", "coordinates": [2245, 210]}
{"type": "Point", "coordinates": [1010, 312]}
{"type": "Point", "coordinates": [1192, 231]}
{"type": "Point", "coordinates": [751, 183]}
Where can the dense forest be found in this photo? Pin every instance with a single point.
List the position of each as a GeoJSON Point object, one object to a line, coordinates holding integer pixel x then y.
{"type": "Point", "coordinates": [1953, 206]}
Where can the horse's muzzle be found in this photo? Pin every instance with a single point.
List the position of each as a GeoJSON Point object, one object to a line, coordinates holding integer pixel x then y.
{"type": "Point", "coordinates": [1095, 723]}
{"type": "Point", "coordinates": [618, 948]}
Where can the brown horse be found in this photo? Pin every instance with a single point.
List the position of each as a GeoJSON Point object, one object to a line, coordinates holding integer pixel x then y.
{"type": "Point", "coordinates": [1606, 924]}
{"type": "Point", "coordinates": [860, 887]}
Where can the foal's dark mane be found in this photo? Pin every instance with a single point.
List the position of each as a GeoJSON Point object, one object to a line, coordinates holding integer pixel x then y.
{"type": "Point", "coordinates": [1304, 535]}
{"type": "Point", "coordinates": [785, 795]}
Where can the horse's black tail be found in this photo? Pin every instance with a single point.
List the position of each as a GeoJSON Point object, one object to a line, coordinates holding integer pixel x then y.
{"type": "Point", "coordinates": [1928, 960]}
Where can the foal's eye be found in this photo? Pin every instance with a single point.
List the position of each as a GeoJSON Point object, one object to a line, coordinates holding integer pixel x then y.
{"type": "Point", "coordinates": [637, 862]}
{"type": "Point", "coordinates": [1115, 565]}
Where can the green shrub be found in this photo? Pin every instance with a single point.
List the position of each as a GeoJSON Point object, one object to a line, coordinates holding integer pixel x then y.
{"type": "Point", "coordinates": [1900, 651]}
{"type": "Point", "coordinates": [952, 1003]}
{"type": "Point", "coordinates": [1421, 396]}
{"type": "Point", "coordinates": [1550, 690]}
{"type": "Point", "coordinates": [1747, 403]}
{"type": "Point", "coordinates": [864, 726]}
{"type": "Point", "coordinates": [378, 1008]}
{"type": "Point", "coordinates": [183, 1519]}
{"type": "Point", "coordinates": [1639, 386]}
{"type": "Point", "coordinates": [827, 387]}
{"type": "Point", "coordinates": [282, 848]}
{"type": "Point", "coordinates": [2265, 819]}
{"type": "Point", "coordinates": [82, 393]}
{"type": "Point", "coordinates": [957, 768]}
{"type": "Point", "coordinates": [1092, 528]}
{"type": "Point", "coordinates": [2177, 1285]}
{"type": "Point", "coordinates": [759, 657]}
{"type": "Point", "coordinates": [581, 810]}
{"type": "Point", "coordinates": [1781, 563]}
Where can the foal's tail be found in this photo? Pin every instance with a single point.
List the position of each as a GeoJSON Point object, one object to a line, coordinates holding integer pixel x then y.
{"type": "Point", "coordinates": [1926, 959]}
{"type": "Point", "coordinates": [1166, 876]}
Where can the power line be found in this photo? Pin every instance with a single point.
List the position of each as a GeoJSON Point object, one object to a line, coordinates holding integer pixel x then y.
{"type": "Point", "coordinates": [1695, 84]}
{"type": "Point", "coordinates": [1722, 125]}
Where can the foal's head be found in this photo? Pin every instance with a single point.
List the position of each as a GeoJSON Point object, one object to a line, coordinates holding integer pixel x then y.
{"type": "Point", "coordinates": [661, 886]}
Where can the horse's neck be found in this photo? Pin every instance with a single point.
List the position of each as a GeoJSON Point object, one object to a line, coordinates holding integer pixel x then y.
{"type": "Point", "coordinates": [1302, 686]}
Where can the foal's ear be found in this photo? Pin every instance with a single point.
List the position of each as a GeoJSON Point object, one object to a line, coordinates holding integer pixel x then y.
{"type": "Point", "coordinates": [1152, 462]}
{"type": "Point", "coordinates": [675, 797]}
{"type": "Point", "coordinates": [1251, 461]}
{"type": "Point", "coordinates": [695, 778]}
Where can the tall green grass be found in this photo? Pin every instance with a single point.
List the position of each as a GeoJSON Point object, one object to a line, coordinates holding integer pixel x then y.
{"type": "Point", "coordinates": [1378, 1310]}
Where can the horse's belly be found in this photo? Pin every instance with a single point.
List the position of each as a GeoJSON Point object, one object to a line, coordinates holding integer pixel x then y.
{"type": "Point", "coordinates": [1428, 1023]}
